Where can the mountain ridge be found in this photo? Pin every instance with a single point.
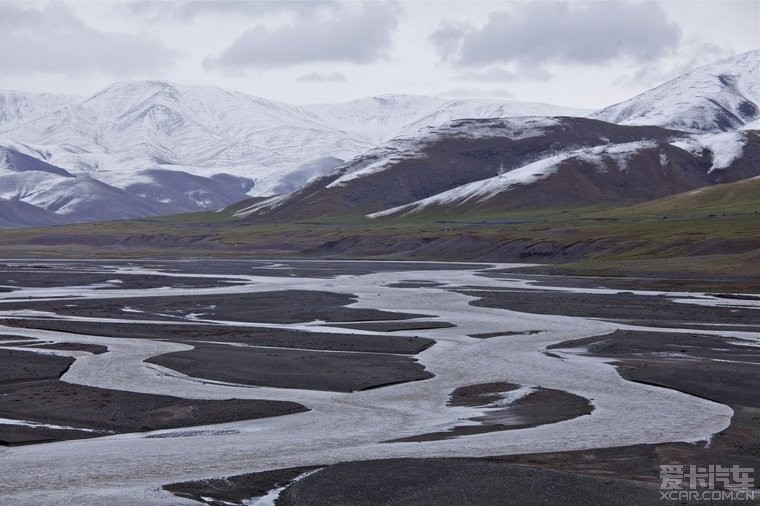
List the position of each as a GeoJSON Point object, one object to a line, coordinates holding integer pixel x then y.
{"type": "Point", "coordinates": [519, 163]}
{"type": "Point", "coordinates": [159, 147]}
{"type": "Point", "coordinates": [129, 133]}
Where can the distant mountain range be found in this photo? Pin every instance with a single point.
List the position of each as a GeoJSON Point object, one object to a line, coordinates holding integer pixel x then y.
{"type": "Point", "coordinates": [520, 163]}
{"type": "Point", "coordinates": [140, 149]}
{"type": "Point", "coordinates": [147, 148]}
{"type": "Point", "coordinates": [694, 131]}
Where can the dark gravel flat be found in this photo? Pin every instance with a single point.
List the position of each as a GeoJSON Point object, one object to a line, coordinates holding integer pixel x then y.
{"type": "Point", "coordinates": [60, 275]}
{"type": "Point", "coordinates": [22, 366]}
{"type": "Point", "coordinates": [287, 306]}
{"type": "Point", "coordinates": [413, 482]}
{"type": "Point", "coordinates": [4, 338]}
{"type": "Point", "coordinates": [415, 284]}
{"type": "Point", "coordinates": [622, 306]}
{"type": "Point", "coordinates": [459, 481]}
{"type": "Point", "coordinates": [15, 435]}
{"type": "Point", "coordinates": [707, 366]}
{"type": "Point", "coordinates": [540, 407]}
{"type": "Point", "coordinates": [283, 368]}
{"type": "Point", "coordinates": [712, 367]}
{"type": "Point", "coordinates": [542, 275]}
{"type": "Point", "coordinates": [489, 335]}
{"type": "Point", "coordinates": [236, 489]}
{"type": "Point", "coordinates": [30, 390]}
{"type": "Point", "coordinates": [395, 326]}
{"type": "Point", "coordinates": [245, 335]}
{"type": "Point", "coordinates": [95, 349]}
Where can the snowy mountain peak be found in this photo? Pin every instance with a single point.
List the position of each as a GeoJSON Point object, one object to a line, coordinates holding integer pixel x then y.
{"type": "Point", "coordinates": [718, 97]}
{"type": "Point", "coordinates": [126, 96]}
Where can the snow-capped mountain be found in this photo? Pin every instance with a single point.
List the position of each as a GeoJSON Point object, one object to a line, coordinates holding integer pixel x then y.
{"type": "Point", "coordinates": [153, 147]}
{"type": "Point", "coordinates": [520, 163]}
{"type": "Point", "coordinates": [177, 148]}
{"type": "Point", "coordinates": [718, 97]}
{"type": "Point", "coordinates": [25, 177]}
{"type": "Point", "coordinates": [203, 130]}
{"type": "Point", "coordinates": [134, 126]}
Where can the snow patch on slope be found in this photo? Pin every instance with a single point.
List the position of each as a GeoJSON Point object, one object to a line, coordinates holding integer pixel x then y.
{"type": "Point", "coordinates": [618, 154]}
{"type": "Point", "coordinates": [264, 205]}
{"type": "Point", "coordinates": [726, 147]}
{"type": "Point", "coordinates": [480, 191]}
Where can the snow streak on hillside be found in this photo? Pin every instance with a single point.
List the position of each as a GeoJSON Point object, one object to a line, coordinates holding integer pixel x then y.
{"type": "Point", "coordinates": [481, 191]}
{"type": "Point", "coordinates": [412, 147]}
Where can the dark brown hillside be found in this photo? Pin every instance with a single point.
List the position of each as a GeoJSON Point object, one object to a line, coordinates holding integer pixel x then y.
{"type": "Point", "coordinates": [649, 174]}
{"type": "Point", "coordinates": [465, 151]}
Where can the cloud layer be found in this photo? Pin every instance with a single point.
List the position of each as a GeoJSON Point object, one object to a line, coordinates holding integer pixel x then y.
{"type": "Point", "coordinates": [53, 40]}
{"type": "Point", "coordinates": [161, 10]}
{"type": "Point", "coordinates": [536, 33]}
{"type": "Point", "coordinates": [357, 33]}
{"type": "Point", "coordinates": [317, 77]}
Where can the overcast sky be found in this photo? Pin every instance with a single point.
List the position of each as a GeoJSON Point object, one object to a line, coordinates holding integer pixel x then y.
{"type": "Point", "coordinates": [583, 54]}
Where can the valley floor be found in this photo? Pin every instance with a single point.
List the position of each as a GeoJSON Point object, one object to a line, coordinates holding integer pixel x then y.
{"type": "Point", "coordinates": [344, 382]}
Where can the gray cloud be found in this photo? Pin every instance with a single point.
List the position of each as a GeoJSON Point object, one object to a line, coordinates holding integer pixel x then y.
{"type": "Point", "coordinates": [501, 74]}
{"type": "Point", "coordinates": [161, 10]}
{"type": "Point", "coordinates": [317, 77]}
{"type": "Point", "coordinates": [477, 93]}
{"type": "Point", "coordinates": [358, 33]}
{"type": "Point", "coordinates": [54, 40]}
{"type": "Point", "coordinates": [535, 33]}
{"type": "Point", "coordinates": [695, 51]}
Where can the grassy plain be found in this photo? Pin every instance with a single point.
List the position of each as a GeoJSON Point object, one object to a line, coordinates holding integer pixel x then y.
{"type": "Point", "coordinates": [710, 232]}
